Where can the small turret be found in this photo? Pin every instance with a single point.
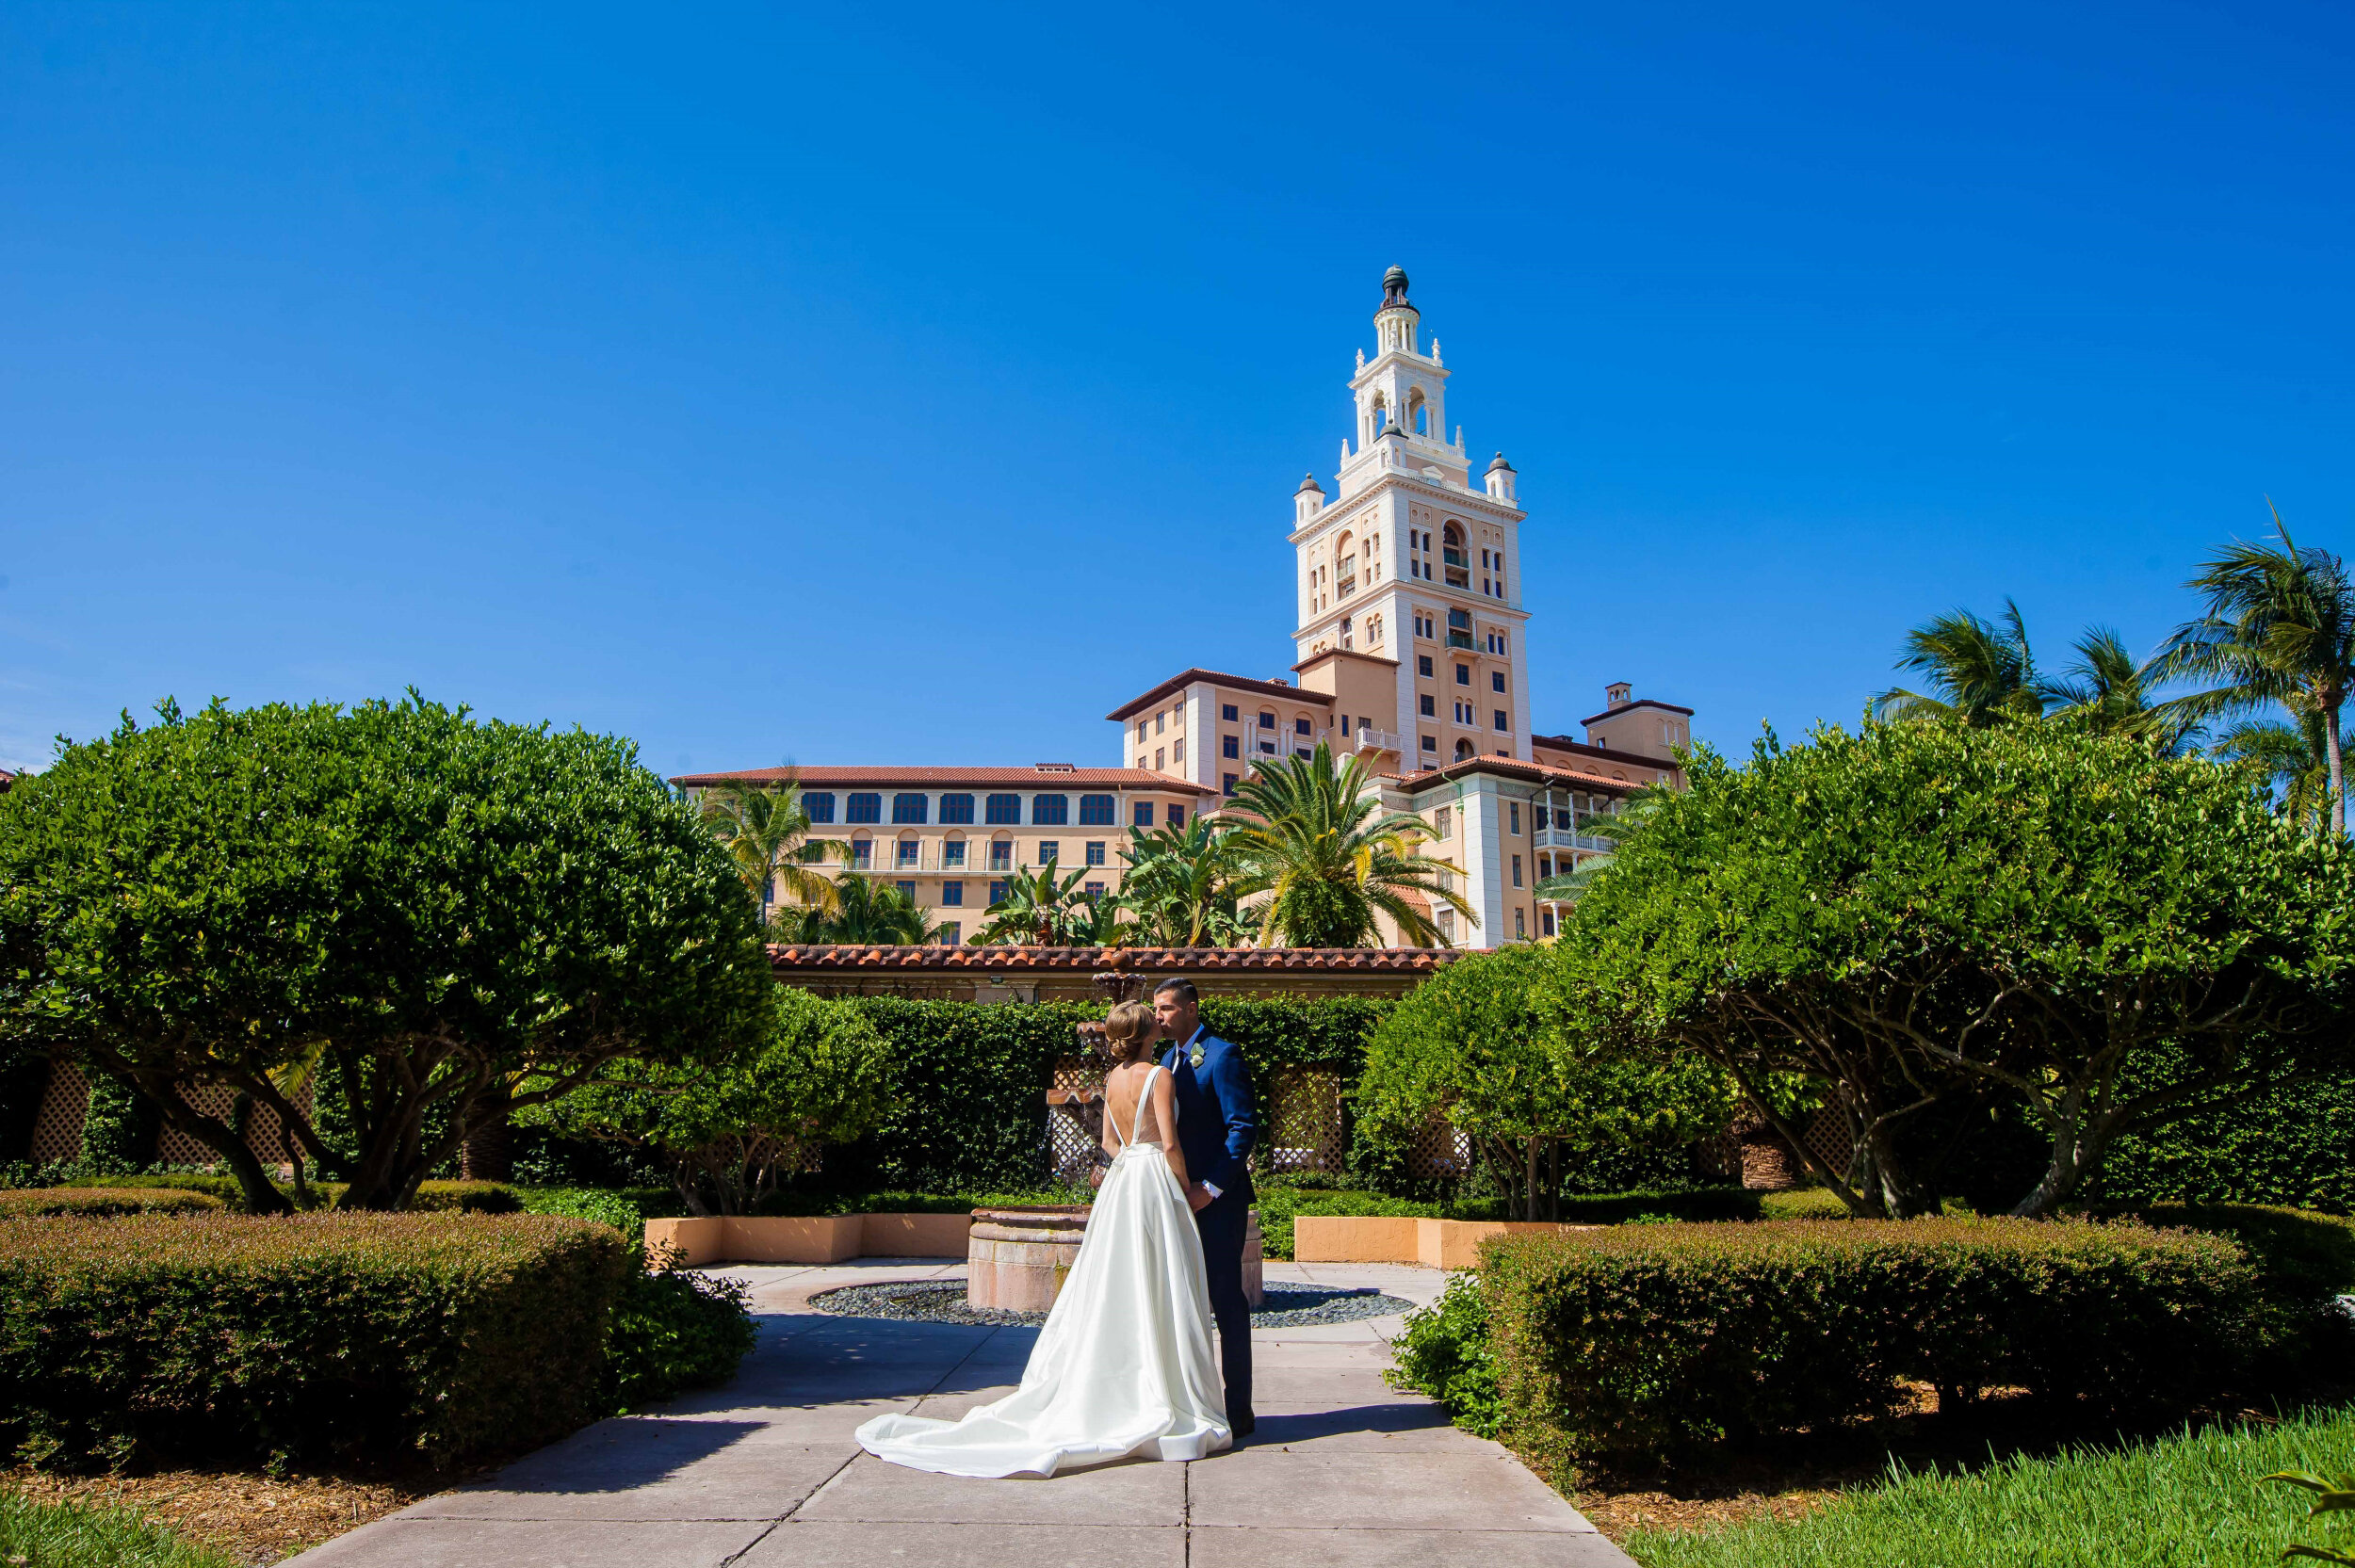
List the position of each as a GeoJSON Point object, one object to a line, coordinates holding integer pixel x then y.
{"type": "Point", "coordinates": [1395, 323]}
{"type": "Point", "coordinates": [1502, 479]}
{"type": "Point", "coordinates": [1308, 499]}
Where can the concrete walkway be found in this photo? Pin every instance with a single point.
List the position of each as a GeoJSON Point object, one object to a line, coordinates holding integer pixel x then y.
{"type": "Point", "coordinates": [765, 1472]}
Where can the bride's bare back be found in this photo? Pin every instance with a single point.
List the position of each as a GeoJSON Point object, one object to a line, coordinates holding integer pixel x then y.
{"type": "Point", "coordinates": [1121, 1086]}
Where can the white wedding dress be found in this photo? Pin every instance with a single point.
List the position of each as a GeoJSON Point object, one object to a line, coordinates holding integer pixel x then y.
{"type": "Point", "coordinates": [1123, 1366]}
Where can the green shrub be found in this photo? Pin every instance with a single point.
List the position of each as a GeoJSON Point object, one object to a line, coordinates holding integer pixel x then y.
{"type": "Point", "coordinates": [1802, 1203]}
{"type": "Point", "coordinates": [1659, 1340]}
{"type": "Point", "coordinates": [2286, 1146]}
{"type": "Point", "coordinates": [94, 1201]}
{"type": "Point", "coordinates": [1446, 1353]}
{"type": "Point", "coordinates": [446, 1335]}
{"type": "Point", "coordinates": [458, 1196]}
{"type": "Point", "coordinates": [463, 1198]}
{"type": "Point", "coordinates": [675, 1330]}
{"type": "Point", "coordinates": [78, 1535]}
{"type": "Point", "coordinates": [1279, 1206]}
{"type": "Point", "coordinates": [1700, 1203]}
{"type": "Point", "coordinates": [617, 1209]}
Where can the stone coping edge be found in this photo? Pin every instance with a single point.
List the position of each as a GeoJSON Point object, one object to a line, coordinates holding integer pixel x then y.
{"type": "Point", "coordinates": [1387, 1238]}
{"type": "Point", "coordinates": [816, 1238]}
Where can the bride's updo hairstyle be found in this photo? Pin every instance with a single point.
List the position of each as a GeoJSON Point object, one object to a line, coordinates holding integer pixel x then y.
{"type": "Point", "coordinates": [1128, 1032]}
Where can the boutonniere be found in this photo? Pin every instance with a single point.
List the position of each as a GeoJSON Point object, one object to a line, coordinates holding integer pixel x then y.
{"type": "Point", "coordinates": [1194, 1057]}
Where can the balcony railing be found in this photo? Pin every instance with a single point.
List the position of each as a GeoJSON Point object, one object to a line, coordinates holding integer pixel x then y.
{"type": "Point", "coordinates": [1347, 587]}
{"type": "Point", "coordinates": [1455, 558]}
{"type": "Point", "coordinates": [1459, 639]}
{"type": "Point", "coordinates": [1563, 838]}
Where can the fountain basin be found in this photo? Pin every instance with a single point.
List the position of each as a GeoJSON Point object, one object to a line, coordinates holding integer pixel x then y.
{"type": "Point", "coordinates": [1016, 1258]}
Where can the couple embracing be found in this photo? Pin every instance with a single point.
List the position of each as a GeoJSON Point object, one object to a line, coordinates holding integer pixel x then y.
{"type": "Point", "coordinates": [1123, 1366]}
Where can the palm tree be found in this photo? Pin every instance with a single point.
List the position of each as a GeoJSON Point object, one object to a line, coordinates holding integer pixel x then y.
{"type": "Point", "coordinates": [2292, 758]}
{"type": "Point", "coordinates": [2278, 628]}
{"type": "Point", "coordinates": [2108, 692]}
{"type": "Point", "coordinates": [1615, 828]}
{"type": "Point", "coordinates": [1181, 886]}
{"type": "Point", "coordinates": [766, 831]}
{"type": "Point", "coordinates": [1315, 836]}
{"type": "Point", "coordinates": [1981, 670]}
{"type": "Point", "coordinates": [871, 912]}
{"type": "Point", "coordinates": [1039, 910]}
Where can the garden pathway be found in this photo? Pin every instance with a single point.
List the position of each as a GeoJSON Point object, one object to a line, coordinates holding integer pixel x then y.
{"type": "Point", "coordinates": [765, 1472]}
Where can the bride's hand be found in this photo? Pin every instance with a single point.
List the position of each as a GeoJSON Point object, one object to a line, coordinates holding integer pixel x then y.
{"type": "Point", "coordinates": [1197, 1197]}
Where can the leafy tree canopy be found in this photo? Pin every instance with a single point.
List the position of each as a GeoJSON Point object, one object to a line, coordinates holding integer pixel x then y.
{"type": "Point", "coordinates": [417, 911]}
{"type": "Point", "coordinates": [1920, 913]}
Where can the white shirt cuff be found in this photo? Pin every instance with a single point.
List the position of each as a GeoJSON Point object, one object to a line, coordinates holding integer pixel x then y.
{"type": "Point", "coordinates": [1212, 1188]}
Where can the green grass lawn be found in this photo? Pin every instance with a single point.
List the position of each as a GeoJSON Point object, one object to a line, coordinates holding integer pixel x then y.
{"type": "Point", "coordinates": [2189, 1501]}
{"type": "Point", "coordinates": [70, 1535]}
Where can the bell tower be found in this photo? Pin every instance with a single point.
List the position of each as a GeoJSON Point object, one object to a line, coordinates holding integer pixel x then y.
{"type": "Point", "coordinates": [1412, 566]}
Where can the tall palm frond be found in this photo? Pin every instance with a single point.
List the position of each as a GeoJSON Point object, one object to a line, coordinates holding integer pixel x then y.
{"type": "Point", "coordinates": [1981, 671]}
{"type": "Point", "coordinates": [1313, 836]}
{"type": "Point", "coordinates": [1041, 909]}
{"type": "Point", "coordinates": [869, 911]}
{"type": "Point", "coordinates": [765, 832]}
{"type": "Point", "coordinates": [2277, 629]}
{"type": "Point", "coordinates": [1182, 885]}
{"type": "Point", "coordinates": [2294, 759]}
{"type": "Point", "coordinates": [2108, 691]}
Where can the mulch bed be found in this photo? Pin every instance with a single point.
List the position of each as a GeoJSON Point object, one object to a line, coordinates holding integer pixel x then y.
{"type": "Point", "coordinates": [252, 1517]}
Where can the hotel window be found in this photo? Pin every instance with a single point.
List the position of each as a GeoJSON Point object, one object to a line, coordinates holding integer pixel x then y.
{"type": "Point", "coordinates": [1516, 870]}
{"type": "Point", "coordinates": [1496, 680]}
{"type": "Point", "coordinates": [1520, 923]}
{"type": "Point", "coordinates": [1050, 810]}
{"type": "Point", "coordinates": [1096, 810]}
{"type": "Point", "coordinates": [1513, 816]}
{"type": "Point", "coordinates": [1160, 722]}
{"type": "Point", "coordinates": [1175, 816]}
{"type": "Point", "coordinates": [1005, 809]}
{"type": "Point", "coordinates": [1143, 731]}
{"type": "Point", "coordinates": [1430, 743]}
{"type": "Point", "coordinates": [863, 808]}
{"type": "Point", "coordinates": [1002, 855]}
{"type": "Point", "coordinates": [1096, 851]}
{"type": "Point", "coordinates": [1227, 782]}
{"type": "Point", "coordinates": [907, 891]}
{"type": "Point", "coordinates": [1300, 725]}
{"type": "Point", "coordinates": [1423, 625]}
{"type": "Point", "coordinates": [1422, 665]}
{"type": "Point", "coordinates": [1464, 714]}
{"type": "Point", "coordinates": [1496, 645]}
{"type": "Point", "coordinates": [1374, 629]}
{"type": "Point", "coordinates": [911, 808]}
{"type": "Point", "coordinates": [1447, 926]}
{"type": "Point", "coordinates": [1141, 815]}
{"type": "Point", "coordinates": [1050, 849]}
{"type": "Point", "coordinates": [862, 852]}
{"type": "Point", "coordinates": [1228, 712]}
{"type": "Point", "coordinates": [956, 808]}
{"type": "Point", "coordinates": [953, 854]}
{"type": "Point", "coordinates": [951, 932]}
{"type": "Point", "coordinates": [1267, 719]}
{"type": "Point", "coordinates": [1430, 705]}
{"type": "Point", "coordinates": [1093, 890]}
{"type": "Point", "coordinates": [996, 893]}
{"type": "Point", "coordinates": [1159, 759]}
{"type": "Point", "coordinates": [1177, 750]}
{"type": "Point", "coordinates": [1268, 747]}
{"type": "Point", "coordinates": [1444, 822]}
{"type": "Point", "coordinates": [1463, 674]}
{"type": "Point", "coordinates": [1504, 720]}
{"type": "Point", "coordinates": [908, 849]}
{"type": "Point", "coordinates": [818, 806]}
{"type": "Point", "coordinates": [1228, 745]}
{"type": "Point", "coordinates": [951, 895]}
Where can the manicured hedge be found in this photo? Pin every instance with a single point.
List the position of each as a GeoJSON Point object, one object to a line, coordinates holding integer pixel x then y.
{"type": "Point", "coordinates": [443, 1196]}
{"type": "Point", "coordinates": [1656, 1340]}
{"type": "Point", "coordinates": [445, 1336]}
{"type": "Point", "coordinates": [95, 1201]}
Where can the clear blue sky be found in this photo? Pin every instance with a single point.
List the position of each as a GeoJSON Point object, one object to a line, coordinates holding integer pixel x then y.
{"type": "Point", "coordinates": [894, 386]}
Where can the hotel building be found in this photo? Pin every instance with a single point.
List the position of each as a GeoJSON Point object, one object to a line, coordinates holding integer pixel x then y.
{"type": "Point", "coordinates": [1410, 648]}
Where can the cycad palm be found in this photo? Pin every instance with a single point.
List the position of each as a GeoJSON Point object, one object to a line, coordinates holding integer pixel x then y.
{"type": "Point", "coordinates": [1981, 671]}
{"type": "Point", "coordinates": [1315, 837]}
{"type": "Point", "coordinates": [2278, 628]}
{"type": "Point", "coordinates": [765, 832]}
{"type": "Point", "coordinates": [1181, 886]}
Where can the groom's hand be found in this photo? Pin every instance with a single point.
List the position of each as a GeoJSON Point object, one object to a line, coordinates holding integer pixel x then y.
{"type": "Point", "coordinates": [1197, 1197]}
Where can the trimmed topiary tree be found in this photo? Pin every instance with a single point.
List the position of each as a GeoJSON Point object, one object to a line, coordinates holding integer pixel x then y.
{"type": "Point", "coordinates": [409, 910]}
{"type": "Point", "coordinates": [1923, 916]}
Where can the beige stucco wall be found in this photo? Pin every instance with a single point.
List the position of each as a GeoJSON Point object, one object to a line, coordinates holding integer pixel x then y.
{"type": "Point", "coordinates": [821, 1238]}
{"type": "Point", "coordinates": [1432, 1243]}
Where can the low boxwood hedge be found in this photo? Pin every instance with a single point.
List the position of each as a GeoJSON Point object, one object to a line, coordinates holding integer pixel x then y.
{"type": "Point", "coordinates": [446, 1196]}
{"type": "Point", "coordinates": [442, 1335]}
{"type": "Point", "coordinates": [1656, 1340]}
{"type": "Point", "coordinates": [94, 1201]}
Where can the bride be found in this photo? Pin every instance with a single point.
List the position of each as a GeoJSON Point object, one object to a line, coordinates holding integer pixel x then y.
{"type": "Point", "coordinates": [1124, 1365]}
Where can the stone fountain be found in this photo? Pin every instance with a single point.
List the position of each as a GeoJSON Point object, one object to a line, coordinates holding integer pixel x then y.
{"type": "Point", "coordinates": [1016, 1258]}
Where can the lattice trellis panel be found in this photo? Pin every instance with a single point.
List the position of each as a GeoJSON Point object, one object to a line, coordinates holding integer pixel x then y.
{"type": "Point", "coordinates": [1826, 1137]}
{"type": "Point", "coordinates": [64, 1106]}
{"type": "Point", "coordinates": [1074, 1130]}
{"type": "Point", "coordinates": [1441, 1152]}
{"type": "Point", "coordinates": [1301, 1127]}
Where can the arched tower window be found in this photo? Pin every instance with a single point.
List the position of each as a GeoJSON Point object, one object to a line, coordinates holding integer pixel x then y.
{"type": "Point", "coordinates": [1348, 636]}
{"type": "Point", "coordinates": [1463, 751]}
{"type": "Point", "coordinates": [1417, 412]}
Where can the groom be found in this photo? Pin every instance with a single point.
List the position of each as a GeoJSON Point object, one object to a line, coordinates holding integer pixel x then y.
{"type": "Point", "coordinates": [1214, 1129]}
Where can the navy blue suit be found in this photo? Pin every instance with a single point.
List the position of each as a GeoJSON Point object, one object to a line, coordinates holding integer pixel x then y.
{"type": "Point", "coordinates": [1216, 1125]}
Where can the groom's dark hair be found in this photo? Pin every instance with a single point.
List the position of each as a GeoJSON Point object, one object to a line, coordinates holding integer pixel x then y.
{"type": "Point", "coordinates": [1181, 989]}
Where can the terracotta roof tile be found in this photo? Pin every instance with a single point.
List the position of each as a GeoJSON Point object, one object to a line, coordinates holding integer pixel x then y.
{"type": "Point", "coordinates": [1516, 768]}
{"type": "Point", "coordinates": [1185, 678]}
{"type": "Point", "coordinates": [1141, 959]}
{"type": "Point", "coordinates": [1045, 779]}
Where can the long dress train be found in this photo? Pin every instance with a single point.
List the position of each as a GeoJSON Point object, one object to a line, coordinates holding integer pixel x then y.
{"type": "Point", "coordinates": [1122, 1366]}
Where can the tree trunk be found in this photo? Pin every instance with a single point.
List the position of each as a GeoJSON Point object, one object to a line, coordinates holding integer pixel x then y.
{"type": "Point", "coordinates": [2338, 775]}
{"type": "Point", "coordinates": [261, 1194]}
{"type": "Point", "coordinates": [488, 1154]}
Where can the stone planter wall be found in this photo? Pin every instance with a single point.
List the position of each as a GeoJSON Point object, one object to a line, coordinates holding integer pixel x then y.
{"type": "Point", "coordinates": [1432, 1243]}
{"type": "Point", "coordinates": [828, 1238]}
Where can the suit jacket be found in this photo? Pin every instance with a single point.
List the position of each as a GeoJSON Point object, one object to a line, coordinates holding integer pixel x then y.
{"type": "Point", "coordinates": [1216, 1120]}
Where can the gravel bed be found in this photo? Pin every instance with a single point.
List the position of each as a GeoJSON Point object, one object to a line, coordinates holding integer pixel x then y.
{"type": "Point", "coordinates": [1288, 1305]}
